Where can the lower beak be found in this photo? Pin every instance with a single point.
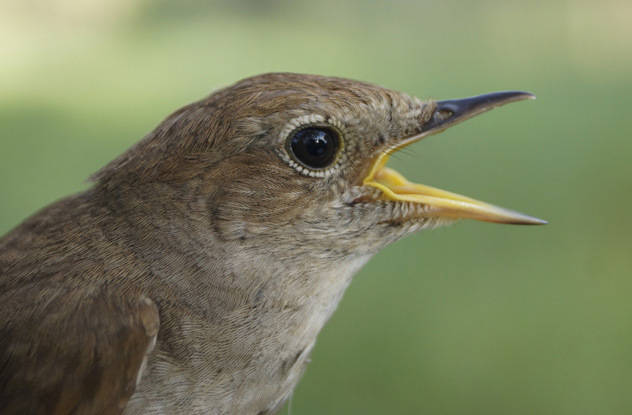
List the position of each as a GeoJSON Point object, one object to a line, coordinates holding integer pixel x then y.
{"type": "Point", "coordinates": [441, 203]}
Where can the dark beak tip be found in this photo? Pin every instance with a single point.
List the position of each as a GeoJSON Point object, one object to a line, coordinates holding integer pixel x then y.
{"type": "Point", "coordinates": [452, 111]}
{"type": "Point", "coordinates": [522, 95]}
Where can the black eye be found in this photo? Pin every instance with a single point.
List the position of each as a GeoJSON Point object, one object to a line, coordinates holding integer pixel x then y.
{"type": "Point", "coordinates": [315, 147]}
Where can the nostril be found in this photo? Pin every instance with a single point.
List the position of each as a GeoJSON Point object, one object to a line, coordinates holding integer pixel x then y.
{"type": "Point", "coordinates": [442, 115]}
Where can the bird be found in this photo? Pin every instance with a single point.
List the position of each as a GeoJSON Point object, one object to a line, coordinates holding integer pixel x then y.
{"type": "Point", "coordinates": [196, 272]}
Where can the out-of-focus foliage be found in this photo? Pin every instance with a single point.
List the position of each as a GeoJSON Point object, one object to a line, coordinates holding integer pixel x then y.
{"type": "Point", "coordinates": [472, 319]}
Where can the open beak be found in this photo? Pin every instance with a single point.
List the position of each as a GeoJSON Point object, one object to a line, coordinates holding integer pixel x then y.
{"type": "Point", "coordinates": [441, 203]}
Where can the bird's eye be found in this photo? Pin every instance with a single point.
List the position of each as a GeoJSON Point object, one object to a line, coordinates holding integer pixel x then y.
{"type": "Point", "coordinates": [315, 147]}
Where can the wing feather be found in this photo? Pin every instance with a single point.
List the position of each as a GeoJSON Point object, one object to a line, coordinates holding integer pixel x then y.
{"type": "Point", "coordinates": [77, 351]}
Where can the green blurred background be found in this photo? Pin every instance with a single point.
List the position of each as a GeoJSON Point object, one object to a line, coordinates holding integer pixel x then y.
{"type": "Point", "coordinates": [471, 319]}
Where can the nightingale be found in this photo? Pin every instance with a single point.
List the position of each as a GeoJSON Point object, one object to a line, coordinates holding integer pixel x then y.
{"type": "Point", "coordinates": [195, 274]}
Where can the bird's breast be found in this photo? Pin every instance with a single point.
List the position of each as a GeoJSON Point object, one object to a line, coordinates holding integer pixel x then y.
{"type": "Point", "coordinates": [249, 351]}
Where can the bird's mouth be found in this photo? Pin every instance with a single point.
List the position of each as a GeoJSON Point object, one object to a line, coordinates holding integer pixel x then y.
{"type": "Point", "coordinates": [440, 203]}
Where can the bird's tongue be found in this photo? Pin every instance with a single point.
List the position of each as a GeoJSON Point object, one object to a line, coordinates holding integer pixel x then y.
{"type": "Point", "coordinates": [395, 187]}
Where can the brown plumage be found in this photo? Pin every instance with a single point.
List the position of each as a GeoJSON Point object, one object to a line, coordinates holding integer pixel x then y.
{"type": "Point", "coordinates": [194, 276]}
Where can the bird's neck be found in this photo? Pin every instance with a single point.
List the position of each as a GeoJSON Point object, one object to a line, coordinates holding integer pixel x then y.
{"type": "Point", "coordinates": [178, 244]}
{"type": "Point", "coordinates": [177, 240]}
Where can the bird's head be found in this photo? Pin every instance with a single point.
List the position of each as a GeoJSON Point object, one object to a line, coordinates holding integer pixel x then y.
{"type": "Point", "coordinates": [298, 162]}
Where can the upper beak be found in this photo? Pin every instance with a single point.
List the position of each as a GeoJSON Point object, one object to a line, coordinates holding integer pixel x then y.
{"type": "Point", "coordinates": [442, 203]}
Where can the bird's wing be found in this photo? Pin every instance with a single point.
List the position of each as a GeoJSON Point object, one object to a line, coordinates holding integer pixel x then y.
{"type": "Point", "coordinates": [79, 351]}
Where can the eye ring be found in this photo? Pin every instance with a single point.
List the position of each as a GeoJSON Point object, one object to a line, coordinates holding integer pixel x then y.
{"type": "Point", "coordinates": [316, 147]}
